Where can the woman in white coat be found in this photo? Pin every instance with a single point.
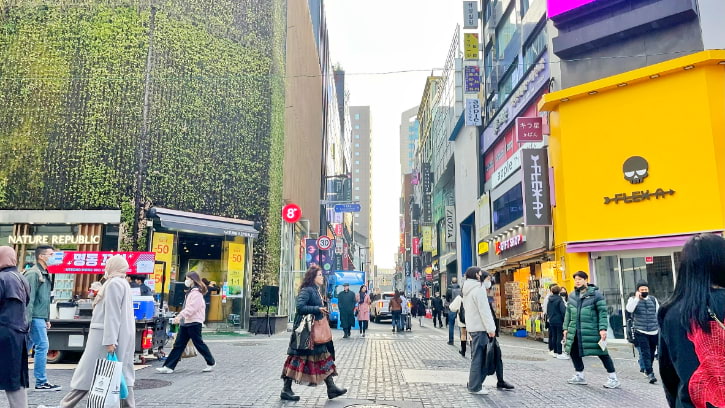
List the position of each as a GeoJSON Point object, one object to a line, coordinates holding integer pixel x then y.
{"type": "Point", "coordinates": [112, 330]}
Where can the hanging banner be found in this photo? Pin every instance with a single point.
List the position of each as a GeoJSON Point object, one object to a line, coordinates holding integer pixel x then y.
{"type": "Point", "coordinates": [472, 78]}
{"type": "Point", "coordinates": [473, 112]}
{"type": "Point", "coordinates": [450, 224]}
{"type": "Point", "coordinates": [470, 43]}
{"type": "Point", "coordinates": [163, 245]}
{"type": "Point", "coordinates": [537, 200]}
{"type": "Point", "coordinates": [139, 263]}
{"type": "Point", "coordinates": [470, 14]}
{"type": "Point", "coordinates": [312, 254]}
{"type": "Point", "coordinates": [416, 246]}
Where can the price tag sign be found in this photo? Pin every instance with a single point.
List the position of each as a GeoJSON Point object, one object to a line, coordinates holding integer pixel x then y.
{"type": "Point", "coordinates": [236, 264]}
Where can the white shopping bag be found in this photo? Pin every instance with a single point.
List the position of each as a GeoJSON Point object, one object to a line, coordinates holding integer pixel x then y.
{"type": "Point", "coordinates": [105, 390]}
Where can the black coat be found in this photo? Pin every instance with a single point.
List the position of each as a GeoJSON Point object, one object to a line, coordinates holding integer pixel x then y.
{"type": "Point", "coordinates": [556, 310]}
{"type": "Point", "coordinates": [310, 302]}
{"type": "Point", "coordinates": [346, 303]}
{"type": "Point", "coordinates": [14, 298]}
{"type": "Point", "coordinates": [437, 304]}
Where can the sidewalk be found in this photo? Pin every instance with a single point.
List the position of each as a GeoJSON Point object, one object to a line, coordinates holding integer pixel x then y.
{"type": "Point", "coordinates": [407, 370]}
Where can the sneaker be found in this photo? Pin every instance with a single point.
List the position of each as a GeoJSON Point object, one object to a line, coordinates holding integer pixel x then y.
{"type": "Point", "coordinates": [612, 383]}
{"type": "Point", "coordinates": [164, 370]}
{"type": "Point", "coordinates": [482, 391]}
{"type": "Point", "coordinates": [209, 368]}
{"type": "Point", "coordinates": [562, 357]}
{"type": "Point", "coordinates": [652, 378]}
{"type": "Point", "coordinates": [48, 387]}
{"type": "Point", "coordinates": [577, 380]}
{"type": "Point", "coordinates": [552, 354]}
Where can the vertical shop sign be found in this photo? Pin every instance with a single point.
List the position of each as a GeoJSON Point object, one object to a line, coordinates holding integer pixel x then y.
{"type": "Point", "coordinates": [473, 112]}
{"type": "Point", "coordinates": [470, 43]}
{"type": "Point", "coordinates": [537, 204]}
{"type": "Point", "coordinates": [450, 224]}
{"type": "Point", "coordinates": [416, 246]}
{"type": "Point", "coordinates": [163, 246]}
{"type": "Point", "coordinates": [483, 217]}
{"type": "Point", "coordinates": [426, 175]}
{"type": "Point", "coordinates": [427, 238]}
{"type": "Point", "coordinates": [529, 129]}
{"type": "Point", "coordinates": [470, 14]}
{"type": "Point", "coordinates": [472, 77]}
{"type": "Point", "coordinates": [312, 254]}
{"type": "Point", "coordinates": [235, 265]}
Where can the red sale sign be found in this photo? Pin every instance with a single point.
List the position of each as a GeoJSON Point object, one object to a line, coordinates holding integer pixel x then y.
{"type": "Point", "coordinates": [140, 263]}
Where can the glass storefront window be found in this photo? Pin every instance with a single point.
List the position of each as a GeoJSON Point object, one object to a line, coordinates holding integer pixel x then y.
{"type": "Point", "coordinates": [505, 32]}
{"type": "Point", "coordinates": [534, 49]}
{"type": "Point", "coordinates": [607, 268]}
{"type": "Point", "coordinates": [508, 208]}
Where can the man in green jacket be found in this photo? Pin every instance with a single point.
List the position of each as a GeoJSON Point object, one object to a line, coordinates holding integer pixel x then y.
{"type": "Point", "coordinates": [39, 315]}
{"type": "Point", "coordinates": [585, 329]}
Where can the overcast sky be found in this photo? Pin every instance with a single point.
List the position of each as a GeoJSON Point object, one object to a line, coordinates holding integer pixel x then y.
{"type": "Point", "coordinates": [375, 36]}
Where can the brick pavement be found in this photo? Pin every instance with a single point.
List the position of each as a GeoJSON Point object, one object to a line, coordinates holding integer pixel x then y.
{"type": "Point", "coordinates": [411, 370]}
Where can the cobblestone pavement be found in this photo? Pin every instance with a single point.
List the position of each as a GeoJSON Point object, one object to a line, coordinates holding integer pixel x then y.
{"type": "Point", "coordinates": [411, 370]}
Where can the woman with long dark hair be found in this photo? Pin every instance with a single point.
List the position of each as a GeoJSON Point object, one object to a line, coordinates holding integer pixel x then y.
{"type": "Point", "coordinates": [692, 342]}
{"type": "Point", "coordinates": [190, 319]}
{"type": "Point", "coordinates": [363, 309]}
{"type": "Point", "coordinates": [315, 366]}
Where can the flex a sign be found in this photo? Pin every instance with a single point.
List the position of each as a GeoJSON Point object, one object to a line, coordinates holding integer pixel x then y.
{"type": "Point", "coordinates": [537, 200]}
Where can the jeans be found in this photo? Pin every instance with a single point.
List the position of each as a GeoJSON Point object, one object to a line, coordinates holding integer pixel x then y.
{"type": "Point", "coordinates": [639, 359]}
{"type": "Point", "coordinates": [647, 345]}
{"type": "Point", "coordinates": [397, 320]}
{"type": "Point", "coordinates": [476, 375]}
{"type": "Point", "coordinates": [451, 325]}
{"type": "Point", "coordinates": [39, 337]}
{"type": "Point", "coordinates": [556, 333]}
{"type": "Point", "coordinates": [576, 358]}
{"type": "Point", "coordinates": [189, 332]}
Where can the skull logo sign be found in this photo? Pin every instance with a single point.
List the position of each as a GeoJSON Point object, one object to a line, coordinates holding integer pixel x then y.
{"type": "Point", "coordinates": [635, 169]}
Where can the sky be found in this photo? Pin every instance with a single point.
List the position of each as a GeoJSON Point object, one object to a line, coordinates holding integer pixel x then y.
{"type": "Point", "coordinates": [370, 37]}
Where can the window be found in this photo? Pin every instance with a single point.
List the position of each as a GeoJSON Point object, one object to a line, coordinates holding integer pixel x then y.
{"type": "Point", "coordinates": [509, 81]}
{"type": "Point", "coordinates": [357, 116]}
{"type": "Point", "coordinates": [523, 7]}
{"type": "Point", "coordinates": [357, 188]}
{"type": "Point", "coordinates": [357, 161]}
{"type": "Point", "coordinates": [357, 144]}
{"type": "Point", "coordinates": [505, 32]}
{"type": "Point", "coordinates": [357, 170]}
{"type": "Point", "coordinates": [357, 136]}
{"type": "Point", "coordinates": [508, 208]}
{"type": "Point", "coordinates": [357, 153]}
{"type": "Point", "coordinates": [357, 179]}
{"type": "Point", "coordinates": [357, 197]}
{"type": "Point", "coordinates": [535, 48]}
{"type": "Point", "coordinates": [357, 126]}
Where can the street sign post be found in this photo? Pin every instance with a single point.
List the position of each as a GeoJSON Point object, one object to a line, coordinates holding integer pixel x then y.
{"type": "Point", "coordinates": [347, 208]}
{"type": "Point", "coordinates": [324, 242]}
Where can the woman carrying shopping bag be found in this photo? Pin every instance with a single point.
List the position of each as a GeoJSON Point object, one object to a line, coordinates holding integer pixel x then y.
{"type": "Point", "coordinates": [314, 364]}
{"type": "Point", "coordinates": [112, 331]}
{"type": "Point", "coordinates": [190, 319]}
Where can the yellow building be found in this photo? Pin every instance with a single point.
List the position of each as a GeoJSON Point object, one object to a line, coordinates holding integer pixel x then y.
{"type": "Point", "coordinates": [639, 167]}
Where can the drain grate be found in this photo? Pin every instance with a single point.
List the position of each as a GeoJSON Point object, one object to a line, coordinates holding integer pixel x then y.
{"type": "Point", "coordinates": [146, 384]}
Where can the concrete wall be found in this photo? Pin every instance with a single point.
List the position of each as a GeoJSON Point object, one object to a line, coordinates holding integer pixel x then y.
{"type": "Point", "coordinates": [466, 169]}
{"type": "Point", "coordinates": [361, 168]}
{"type": "Point", "coordinates": [303, 116]}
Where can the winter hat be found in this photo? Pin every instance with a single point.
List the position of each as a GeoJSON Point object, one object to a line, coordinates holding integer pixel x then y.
{"type": "Point", "coordinates": [8, 257]}
{"type": "Point", "coordinates": [640, 284]}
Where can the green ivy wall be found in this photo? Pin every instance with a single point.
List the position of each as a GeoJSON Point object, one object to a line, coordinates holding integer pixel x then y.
{"type": "Point", "coordinates": [190, 93]}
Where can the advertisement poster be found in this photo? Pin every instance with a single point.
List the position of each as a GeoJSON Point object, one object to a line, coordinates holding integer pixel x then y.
{"type": "Point", "coordinates": [473, 112]}
{"type": "Point", "coordinates": [235, 264]}
{"type": "Point", "coordinates": [470, 43]}
{"type": "Point", "coordinates": [140, 263]}
{"type": "Point", "coordinates": [163, 246]}
{"type": "Point", "coordinates": [427, 238]}
{"type": "Point", "coordinates": [472, 78]}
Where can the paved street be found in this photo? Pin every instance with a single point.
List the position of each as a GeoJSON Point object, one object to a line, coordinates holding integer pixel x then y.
{"type": "Point", "coordinates": [411, 370]}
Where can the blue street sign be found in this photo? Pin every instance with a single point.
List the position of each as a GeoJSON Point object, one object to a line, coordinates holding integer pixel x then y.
{"type": "Point", "coordinates": [342, 208]}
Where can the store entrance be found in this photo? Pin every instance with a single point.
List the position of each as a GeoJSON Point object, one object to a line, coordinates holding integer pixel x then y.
{"type": "Point", "coordinates": [617, 279]}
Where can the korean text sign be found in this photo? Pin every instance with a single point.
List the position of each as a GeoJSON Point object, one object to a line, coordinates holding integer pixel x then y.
{"type": "Point", "coordinates": [537, 199]}
{"type": "Point", "coordinates": [163, 246]}
{"type": "Point", "coordinates": [529, 129]}
{"type": "Point", "coordinates": [235, 263]}
{"type": "Point", "coordinates": [140, 263]}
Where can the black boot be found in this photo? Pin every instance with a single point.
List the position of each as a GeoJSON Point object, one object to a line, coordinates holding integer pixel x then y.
{"type": "Point", "coordinates": [287, 393]}
{"type": "Point", "coordinates": [333, 390]}
{"type": "Point", "coordinates": [463, 348]}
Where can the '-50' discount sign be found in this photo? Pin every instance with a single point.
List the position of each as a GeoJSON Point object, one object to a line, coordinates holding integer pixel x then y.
{"type": "Point", "coordinates": [140, 263]}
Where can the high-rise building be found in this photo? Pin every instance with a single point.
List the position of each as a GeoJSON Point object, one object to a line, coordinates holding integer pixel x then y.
{"type": "Point", "coordinates": [361, 179]}
{"type": "Point", "coordinates": [409, 132]}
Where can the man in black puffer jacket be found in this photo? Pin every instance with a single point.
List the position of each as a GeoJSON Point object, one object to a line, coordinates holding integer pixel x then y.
{"type": "Point", "coordinates": [556, 310]}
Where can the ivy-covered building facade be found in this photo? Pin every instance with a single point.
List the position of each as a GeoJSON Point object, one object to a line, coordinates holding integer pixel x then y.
{"type": "Point", "coordinates": [147, 123]}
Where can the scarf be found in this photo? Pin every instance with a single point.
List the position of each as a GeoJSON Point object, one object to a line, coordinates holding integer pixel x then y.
{"type": "Point", "coordinates": [8, 257]}
{"type": "Point", "coordinates": [116, 267]}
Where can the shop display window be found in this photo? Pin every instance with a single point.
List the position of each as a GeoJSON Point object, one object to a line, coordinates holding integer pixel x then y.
{"type": "Point", "coordinates": [508, 208]}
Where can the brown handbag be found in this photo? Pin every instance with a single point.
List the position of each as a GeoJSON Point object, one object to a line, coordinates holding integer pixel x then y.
{"type": "Point", "coordinates": [321, 332]}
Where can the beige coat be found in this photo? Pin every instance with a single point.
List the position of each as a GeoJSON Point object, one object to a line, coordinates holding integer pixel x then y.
{"type": "Point", "coordinates": [112, 323]}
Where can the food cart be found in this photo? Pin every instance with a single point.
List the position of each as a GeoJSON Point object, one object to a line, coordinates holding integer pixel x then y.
{"type": "Point", "coordinates": [70, 319]}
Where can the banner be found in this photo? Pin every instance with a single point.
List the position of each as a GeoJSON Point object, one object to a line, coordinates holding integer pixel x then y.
{"type": "Point", "coordinates": [416, 246]}
{"type": "Point", "coordinates": [537, 200]}
{"type": "Point", "coordinates": [473, 112]}
{"type": "Point", "coordinates": [163, 246]}
{"type": "Point", "coordinates": [472, 78]}
{"type": "Point", "coordinates": [312, 254]}
{"type": "Point", "coordinates": [140, 263]}
{"type": "Point", "coordinates": [470, 14]}
{"type": "Point", "coordinates": [450, 224]}
{"type": "Point", "coordinates": [235, 266]}
{"type": "Point", "coordinates": [427, 238]}
{"type": "Point", "coordinates": [470, 43]}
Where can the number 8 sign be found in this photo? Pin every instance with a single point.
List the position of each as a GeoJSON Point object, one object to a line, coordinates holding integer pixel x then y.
{"type": "Point", "coordinates": [291, 213]}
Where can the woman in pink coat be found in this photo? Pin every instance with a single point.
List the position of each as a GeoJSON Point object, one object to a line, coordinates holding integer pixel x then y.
{"type": "Point", "coordinates": [362, 309]}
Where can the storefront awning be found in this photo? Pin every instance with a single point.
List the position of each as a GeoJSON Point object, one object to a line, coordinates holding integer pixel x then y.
{"type": "Point", "coordinates": [494, 265]}
{"type": "Point", "coordinates": [629, 244]}
{"type": "Point", "coordinates": [202, 223]}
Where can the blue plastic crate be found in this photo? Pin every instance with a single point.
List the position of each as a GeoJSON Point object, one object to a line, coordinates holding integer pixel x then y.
{"type": "Point", "coordinates": [143, 307]}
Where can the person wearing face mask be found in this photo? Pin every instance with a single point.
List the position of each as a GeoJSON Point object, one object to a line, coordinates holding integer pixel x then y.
{"type": "Point", "coordinates": [644, 310]}
{"type": "Point", "coordinates": [190, 319]}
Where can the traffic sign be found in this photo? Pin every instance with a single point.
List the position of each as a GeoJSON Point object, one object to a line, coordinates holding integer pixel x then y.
{"type": "Point", "coordinates": [324, 242]}
{"type": "Point", "coordinates": [347, 208]}
{"type": "Point", "coordinates": [291, 213]}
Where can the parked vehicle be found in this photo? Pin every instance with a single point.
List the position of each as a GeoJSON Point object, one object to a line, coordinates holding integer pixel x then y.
{"type": "Point", "coordinates": [380, 308]}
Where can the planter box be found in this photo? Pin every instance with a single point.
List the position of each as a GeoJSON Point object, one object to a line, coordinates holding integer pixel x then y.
{"type": "Point", "coordinates": [258, 324]}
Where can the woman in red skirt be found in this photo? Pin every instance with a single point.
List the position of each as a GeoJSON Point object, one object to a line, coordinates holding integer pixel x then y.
{"type": "Point", "coordinates": [315, 366]}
